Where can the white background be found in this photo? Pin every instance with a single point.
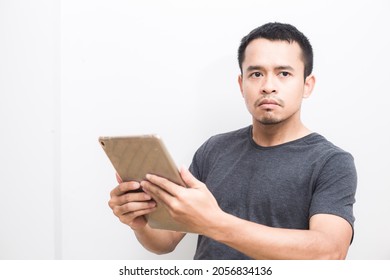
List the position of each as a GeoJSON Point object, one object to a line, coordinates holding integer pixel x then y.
{"type": "Point", "coordinates": [71, 71]}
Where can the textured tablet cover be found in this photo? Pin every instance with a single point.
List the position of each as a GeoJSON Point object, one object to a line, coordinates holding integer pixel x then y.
{"type": "Point", "coordinates": [135, 156]}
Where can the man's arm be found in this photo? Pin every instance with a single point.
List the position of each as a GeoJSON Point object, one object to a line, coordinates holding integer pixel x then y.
{"type": "Point", "coordinates": [130, 207]}
{"type": "Point", "coordinates": [328, 236]}
{"type": "Point", "coordinates": [158, 241]}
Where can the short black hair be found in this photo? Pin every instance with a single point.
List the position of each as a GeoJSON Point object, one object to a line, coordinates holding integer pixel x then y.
{"type": "Point", "coordinates": [276, 31]}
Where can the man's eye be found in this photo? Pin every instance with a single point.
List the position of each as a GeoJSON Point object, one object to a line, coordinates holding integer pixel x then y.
{"type": "Point", "coordinates": [284, 74]}
{"type": "Point", "coordinates": [256, 74]}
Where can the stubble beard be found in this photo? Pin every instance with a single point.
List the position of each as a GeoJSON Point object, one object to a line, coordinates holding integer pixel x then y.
{"type": "Point", "coordinates": [269, 119]}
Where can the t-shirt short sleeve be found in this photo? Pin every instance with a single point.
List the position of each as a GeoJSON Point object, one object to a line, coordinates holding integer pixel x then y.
{"type": "Point", "coordinates": [336, 187]}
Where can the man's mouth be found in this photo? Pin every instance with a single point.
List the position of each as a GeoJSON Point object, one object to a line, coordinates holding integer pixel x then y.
{"type": "Point", "coordinates": [267, 101]}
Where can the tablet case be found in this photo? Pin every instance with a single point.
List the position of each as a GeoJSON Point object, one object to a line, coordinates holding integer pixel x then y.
{"type": "Point", "coordinates": [135, 156]}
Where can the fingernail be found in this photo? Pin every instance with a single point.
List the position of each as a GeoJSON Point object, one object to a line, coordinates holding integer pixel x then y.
{"type": "Point", "coordinates": [144, 187]}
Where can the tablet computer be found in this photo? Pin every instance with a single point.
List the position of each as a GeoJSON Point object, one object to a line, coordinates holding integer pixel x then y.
{"type": "Point", "coordinates": [135, 156]}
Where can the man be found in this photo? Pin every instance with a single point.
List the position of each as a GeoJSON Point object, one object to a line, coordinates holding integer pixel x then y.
{"type": "Point", "coordinates": [273, 190]}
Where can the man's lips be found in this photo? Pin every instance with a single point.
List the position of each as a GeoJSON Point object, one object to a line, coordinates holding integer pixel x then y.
{"type": "Point", "coordinates": [265, 102]}
{"type": "Point", "coordinates": [268, 102]}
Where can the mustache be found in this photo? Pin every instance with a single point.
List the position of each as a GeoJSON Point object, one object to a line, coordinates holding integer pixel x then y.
{"type": "Point", "coordinates": [269, 99]}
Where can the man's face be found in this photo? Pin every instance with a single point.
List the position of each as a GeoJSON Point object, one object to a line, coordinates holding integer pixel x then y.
{"type": "Point", "coordinates": [272, 82]}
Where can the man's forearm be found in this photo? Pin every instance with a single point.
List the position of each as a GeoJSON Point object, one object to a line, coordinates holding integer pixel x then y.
{"type": "Point", "coordinates": [158, 241]}
{"type": "Point", "coordinates": [262, 242]}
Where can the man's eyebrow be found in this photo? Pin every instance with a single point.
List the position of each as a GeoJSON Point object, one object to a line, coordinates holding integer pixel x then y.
{"type": "Point", "coordinates": [254, 67]}
{"type": "Point", "coordinates": [285, 67]}
{"type": "Point", "coordinates": [259, 67]}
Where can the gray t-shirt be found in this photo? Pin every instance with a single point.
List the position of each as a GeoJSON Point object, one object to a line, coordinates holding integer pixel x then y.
{"type": "Point", "coordinates": [280, 186]}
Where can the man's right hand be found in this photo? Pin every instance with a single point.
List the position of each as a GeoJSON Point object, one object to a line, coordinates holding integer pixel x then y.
{"type": "Point", "coordinates": [130, 205]}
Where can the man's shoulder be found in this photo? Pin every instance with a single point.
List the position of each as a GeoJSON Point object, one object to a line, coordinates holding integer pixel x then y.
{"type": "Point", "coordinates": [318, 139]}
{"type": "Point", "coordinates": [239, 134]}
{"type": "Point", "coordinates": [326, 148]}
{"type": "Point", "coordinates": [223, 141]}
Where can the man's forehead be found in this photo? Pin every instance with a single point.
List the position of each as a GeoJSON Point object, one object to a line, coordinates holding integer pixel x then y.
{"type": "Point", "coordinates": [273, 46]}
{"type": "Point", "coordinates": [264, 52]}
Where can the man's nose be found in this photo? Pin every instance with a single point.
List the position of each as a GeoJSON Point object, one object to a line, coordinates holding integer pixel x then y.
{"type": "Point", "coordinates": [268, 85]}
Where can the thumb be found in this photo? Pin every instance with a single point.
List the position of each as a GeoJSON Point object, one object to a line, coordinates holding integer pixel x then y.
{"type": "Point", "coordinates": [118, 178]}
{"type": "Point", "coordinates": [188, 178]}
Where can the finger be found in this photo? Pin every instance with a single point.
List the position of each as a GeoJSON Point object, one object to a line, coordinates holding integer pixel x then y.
{"type": "Point", "coordinates": [116, 200]}
{"type": "Point", "coordinates": [129, 218]}
{"type": "Point", "coordinates": [188, 178]}
{"type": "Point", "coordinates": [156, 192]}
{"type": "Point", "coordinates": [134, 208]}
{"type": "Point", "coordinates": [168, 186]}
{"type": "Point", "coordinates": [132, 197]}
{"type": "Point", "coordinates": [124, 188]}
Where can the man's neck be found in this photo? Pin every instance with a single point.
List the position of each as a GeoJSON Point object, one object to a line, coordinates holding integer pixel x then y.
{"type": "Point", "coordinates": [277, 134]}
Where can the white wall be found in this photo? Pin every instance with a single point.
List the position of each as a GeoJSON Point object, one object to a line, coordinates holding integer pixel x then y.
{"type": "Point", "coordinates": [29, 127]}
{"type": "Point", "coordinates": [169, 67]}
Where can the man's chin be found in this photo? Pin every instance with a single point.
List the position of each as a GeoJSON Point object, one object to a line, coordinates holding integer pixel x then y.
{"type": "Point", "coordinates": [269, 121]}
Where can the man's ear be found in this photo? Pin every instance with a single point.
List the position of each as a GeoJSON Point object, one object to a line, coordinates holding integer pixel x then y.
{"type": "Point", "coordinates": [240, 84]}
{"type": "Point", "coordinates": [310, 81]}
